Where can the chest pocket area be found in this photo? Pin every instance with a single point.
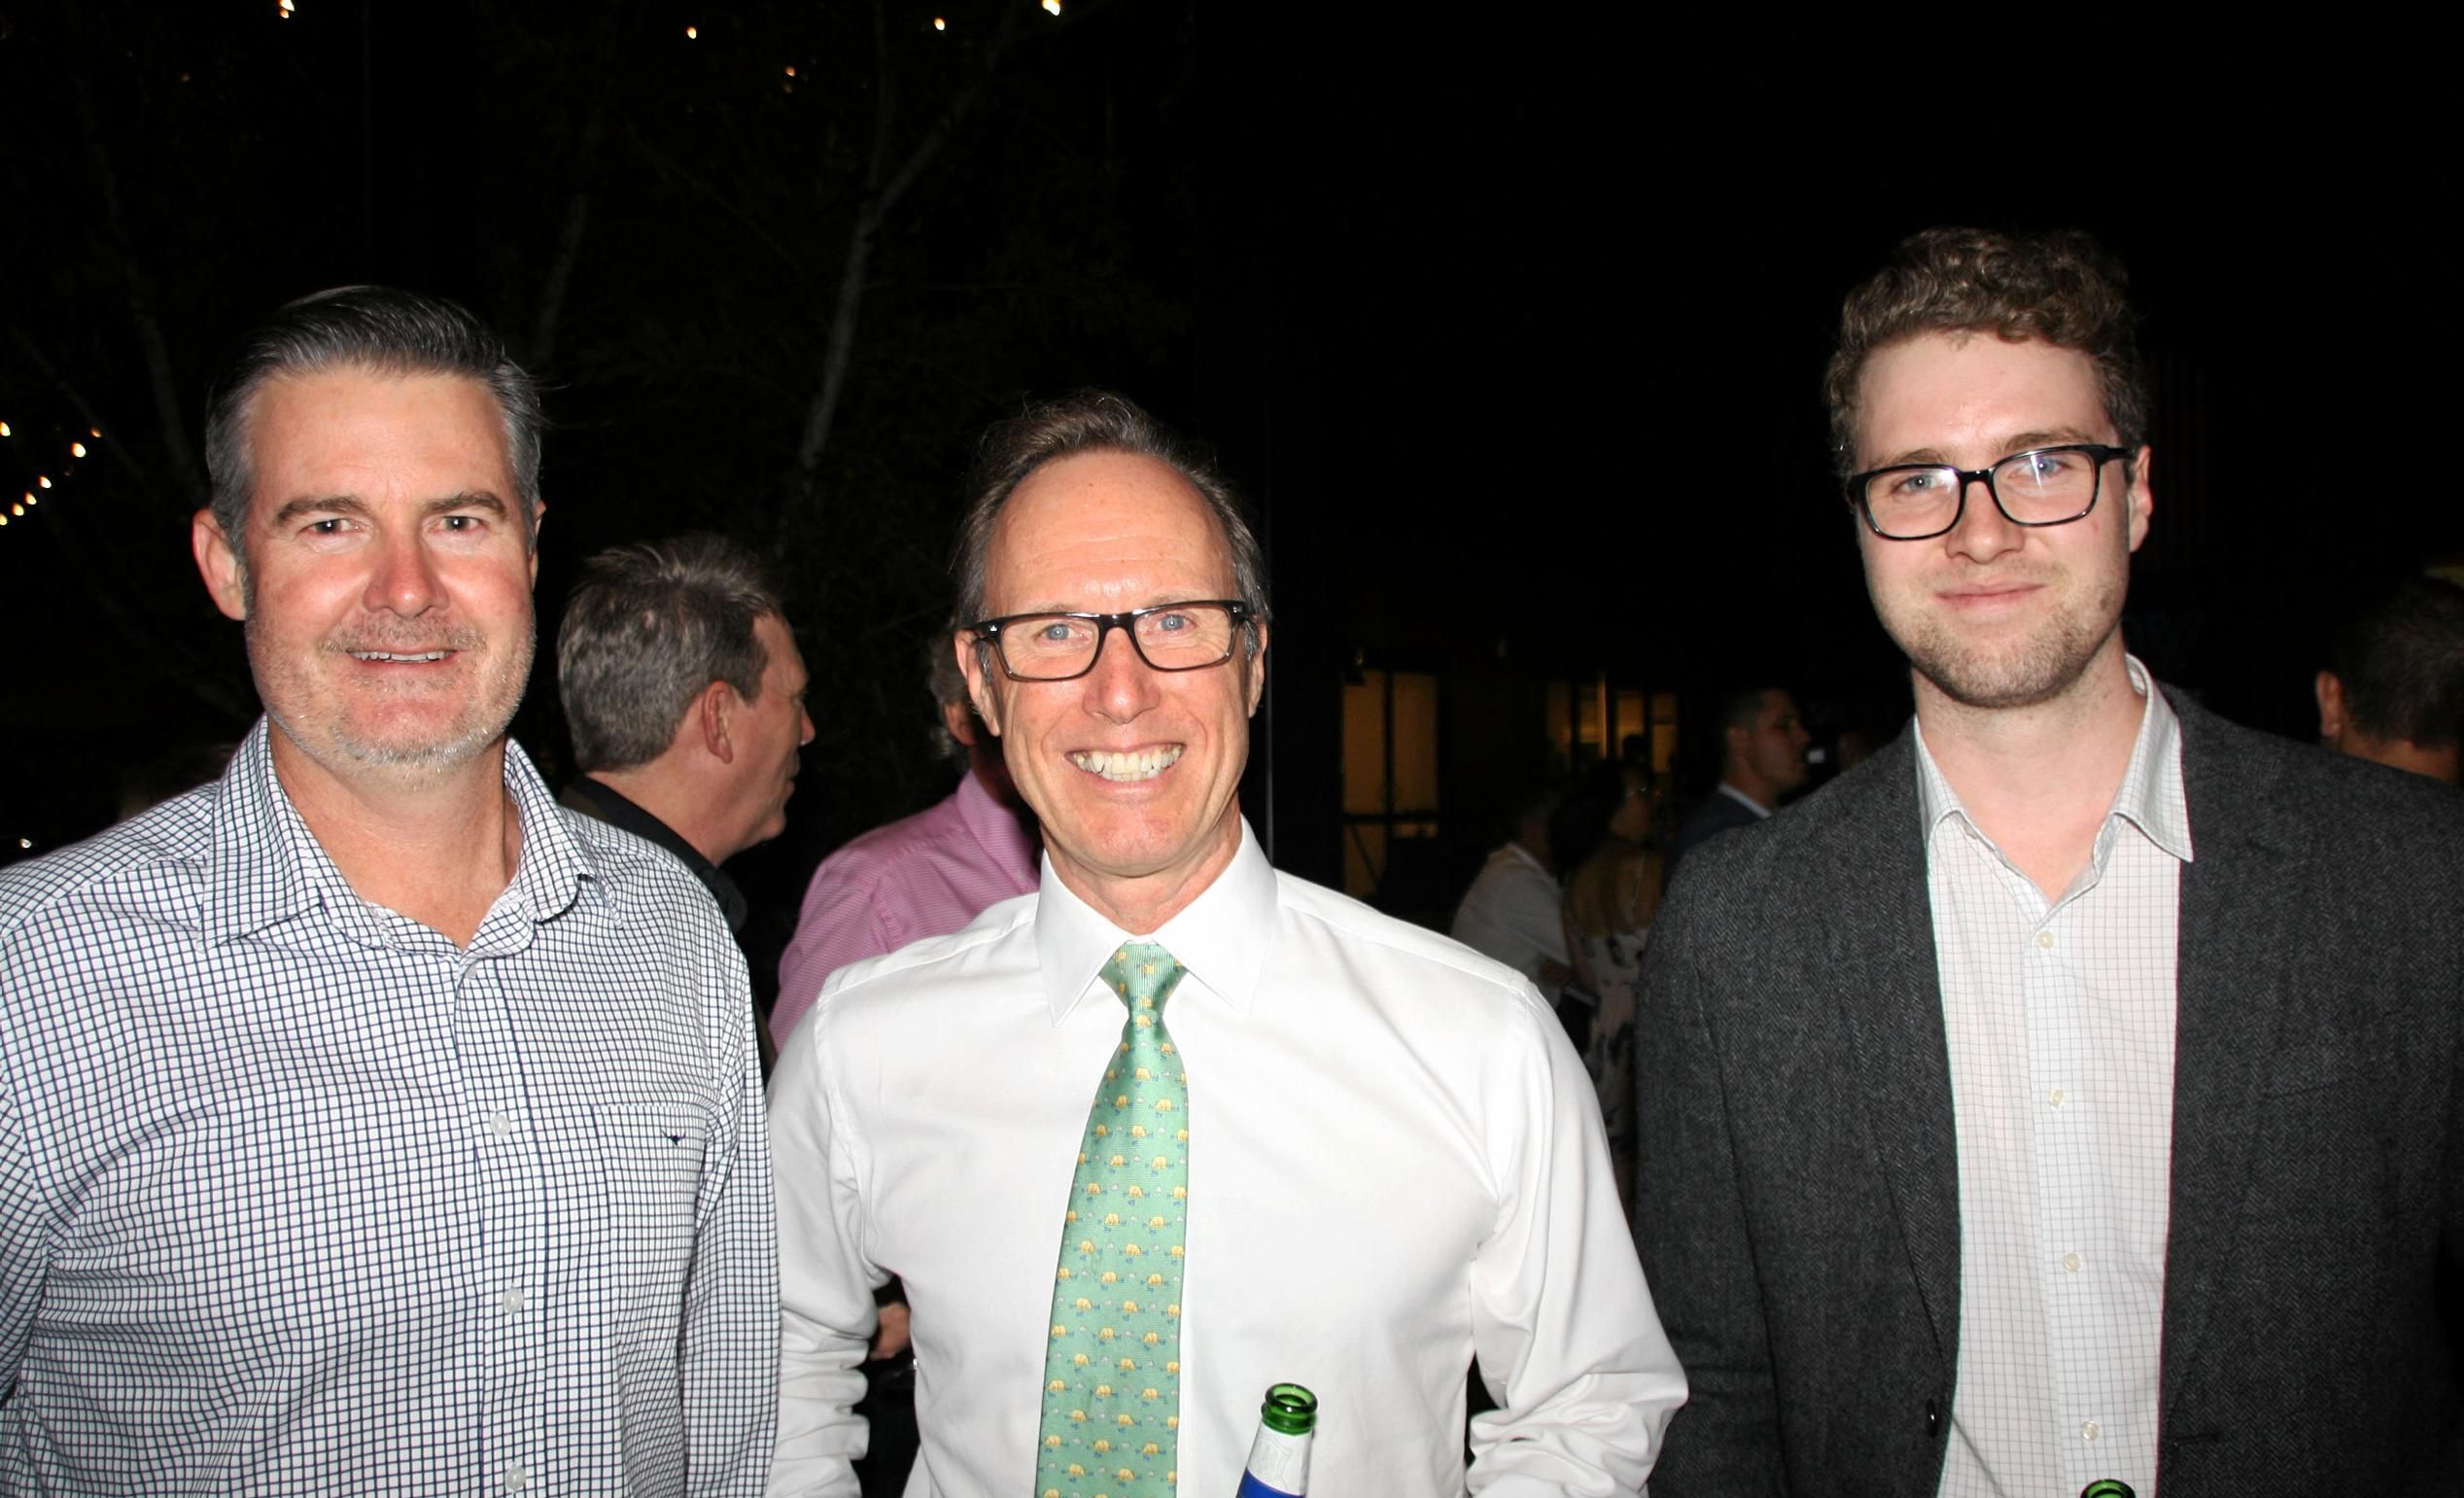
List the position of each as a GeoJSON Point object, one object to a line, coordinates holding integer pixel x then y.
{"type": "Point", "coordinates": [650, 1159]}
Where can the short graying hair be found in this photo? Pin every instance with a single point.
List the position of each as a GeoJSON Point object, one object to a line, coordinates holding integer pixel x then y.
{"type": "Point", "coordinates": [1092, 421]}
{"type": "Point", "coordinates": [949, 684]}
{"type": "Point", "coordinates": [373, 327]}
{"type": "Point", "coordinates": [646, 629]}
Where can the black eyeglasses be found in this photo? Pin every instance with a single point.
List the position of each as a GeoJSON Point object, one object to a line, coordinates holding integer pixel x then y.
{"type": "Point", "coordinates": [2042, 486]}
{"type": "Point", "coordinates": [1064, 646]}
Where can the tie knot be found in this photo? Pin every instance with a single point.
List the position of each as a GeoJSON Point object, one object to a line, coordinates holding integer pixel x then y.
{"type": "Point", "coordinates": [1143, 974]}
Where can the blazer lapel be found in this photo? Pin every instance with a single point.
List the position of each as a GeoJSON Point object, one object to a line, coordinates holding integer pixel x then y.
{"type": "Point", "coordinates": [2240, 894]}
{"type": "Point", "coordinates": [1890, 995]}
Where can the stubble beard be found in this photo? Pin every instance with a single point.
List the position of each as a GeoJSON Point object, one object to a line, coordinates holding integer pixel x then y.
{"type": "Point", "coordinates": [2024, 672]}
{"type": "Point", "coordinates": [328, 734]}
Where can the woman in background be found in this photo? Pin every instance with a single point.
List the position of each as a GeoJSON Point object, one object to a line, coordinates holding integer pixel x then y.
{"type": "Point", "coordinates": [1601, 833]}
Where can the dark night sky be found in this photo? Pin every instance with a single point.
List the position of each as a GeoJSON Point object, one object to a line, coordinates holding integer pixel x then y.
{"type": "Point", "coordinates": [1466, 310]}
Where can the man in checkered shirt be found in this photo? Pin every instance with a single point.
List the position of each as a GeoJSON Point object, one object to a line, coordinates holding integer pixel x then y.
{"type": "Point", "coordinates": [368, 1123]}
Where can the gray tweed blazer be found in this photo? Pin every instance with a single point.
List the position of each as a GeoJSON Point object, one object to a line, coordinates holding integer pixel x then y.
{"type": "Point", "coordinates": [1797, 1208]}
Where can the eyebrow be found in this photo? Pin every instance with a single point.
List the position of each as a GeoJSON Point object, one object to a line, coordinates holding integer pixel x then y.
{"type": "Point", "coordinates": [351, 504]}
{"type": "Point", "coordinates": [2011, 446]}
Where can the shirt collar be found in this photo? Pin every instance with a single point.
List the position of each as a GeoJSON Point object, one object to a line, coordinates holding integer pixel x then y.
{"type": "Point", "coordinates": [594, 798]}
{"type": "Point", "coordinates": [1742, 799]}
{"type": "Point", "coordinates": [266, 866]}
{"type": "Point", "coordinates": [1002, 832]}
{"type": "Point", "coordinates": [1222, 939]}
{"type": "Point", "coordinates": [2149, 798]}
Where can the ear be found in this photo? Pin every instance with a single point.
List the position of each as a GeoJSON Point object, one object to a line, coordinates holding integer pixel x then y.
{"type": "Point", "coordinates": [713, 714]}
{"type": "Point", "coordinates": [2143, 497]}
{"type": "Point", "coordinates": [1256, 665]}
{"type": "Point", "coordinates": [539, 519]}
{"type": "Point", "coordinates": [987, 705]}
{"type": "Point", "coordinates": [2331, 708]}
{"type": "Point", "coordinates": [217, 563]}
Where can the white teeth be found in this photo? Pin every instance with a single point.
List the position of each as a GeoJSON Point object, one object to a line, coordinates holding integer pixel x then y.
{"type": "Point", "coordinates": [1141, 765]}
{"type": "Point", "coordinates": [387, 655]}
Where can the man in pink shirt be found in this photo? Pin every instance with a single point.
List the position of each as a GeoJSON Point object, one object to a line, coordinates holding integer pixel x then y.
{"type": "Point", "coordinates": [925, 875]}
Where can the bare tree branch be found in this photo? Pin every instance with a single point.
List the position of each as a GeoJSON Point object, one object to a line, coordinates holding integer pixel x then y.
{"type": "Point", "coordinates": [172, 426]}
{"type": "Point", "coordinates": [881, 195]}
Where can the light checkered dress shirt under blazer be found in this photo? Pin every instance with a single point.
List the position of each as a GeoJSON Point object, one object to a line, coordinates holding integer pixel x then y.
{"type": "Point", "coordinates": [297, 1197]}
{"type": "Point", "coordinates": [2058, 1017]}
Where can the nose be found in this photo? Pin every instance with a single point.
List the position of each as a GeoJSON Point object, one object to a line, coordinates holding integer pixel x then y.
{"type": "Point", "coordinates": [1123, 685]}
{"type": "Point", "coordinates": [1984, 532]}
{"type": "Point", "coordinates": [804, 731]}
{"type": "Point", "coordinates": [405, 579]}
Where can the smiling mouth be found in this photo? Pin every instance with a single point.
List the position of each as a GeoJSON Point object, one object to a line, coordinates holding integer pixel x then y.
{"type": "Point", "coordinates": [1129, 764]}
{"type": "Point", "coordinates": [399, 655]}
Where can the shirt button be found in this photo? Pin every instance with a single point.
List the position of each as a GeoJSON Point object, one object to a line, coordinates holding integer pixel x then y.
{"type": "Point", "coordinates": [2070, 1265]}
{"type": "Point", "coordinates": [511, 1300]}
{"type": "Point", "coordinates": [500, 1125]}
{"type": "Point", "coordinates": [2056, 1096]}
{"type": "Point", "coordinates": [516, 1477]}
{"type": "Point", "coordinates": [2088, 1431]}
{"type": "Point", "coordinates": [2044, 939]}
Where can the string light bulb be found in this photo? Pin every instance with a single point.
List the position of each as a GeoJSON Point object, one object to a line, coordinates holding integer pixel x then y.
{"type": "Point", "coordinates": [4, 430]}
{"type": "Point", "coordinates": [938, 24]}
{"type": "Point", "coordinates": [41, 482]}
{"type": "Point", "coordinates": [692, 33]}
{"type": "Point", "coordinates": [96, 432]}
{"type": "Point", "coordinates": [77, 450]}
{"type": "Point", "coordinates": [1052, 7]}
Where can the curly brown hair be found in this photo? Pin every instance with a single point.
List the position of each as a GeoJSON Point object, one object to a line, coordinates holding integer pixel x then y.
{"type": "Point", "coordinates": [2060, 287]}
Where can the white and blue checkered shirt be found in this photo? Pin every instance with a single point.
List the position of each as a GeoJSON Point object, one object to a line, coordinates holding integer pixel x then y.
{"type": "Point", "coordinates": [296, 1195]}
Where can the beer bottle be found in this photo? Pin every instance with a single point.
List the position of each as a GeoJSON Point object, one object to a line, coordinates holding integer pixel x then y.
{"type": "Point", "coordinates": [1279, 1457]}
{"type": "Point", "coordinates": [2107, 1487]}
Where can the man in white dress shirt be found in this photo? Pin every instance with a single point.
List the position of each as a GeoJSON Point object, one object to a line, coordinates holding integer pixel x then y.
{"type": "Point", "coordinates": [1393, 1160]}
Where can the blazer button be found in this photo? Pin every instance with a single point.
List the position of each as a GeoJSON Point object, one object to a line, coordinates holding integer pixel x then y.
{"type": "Point", "coordinates": [1933, 1419]}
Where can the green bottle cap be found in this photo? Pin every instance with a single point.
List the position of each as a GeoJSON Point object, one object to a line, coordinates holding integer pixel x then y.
{"type": "Point", "coordinates": [2107, 1487]}
{"type": "Point", "coordinates": [1294, 1410]}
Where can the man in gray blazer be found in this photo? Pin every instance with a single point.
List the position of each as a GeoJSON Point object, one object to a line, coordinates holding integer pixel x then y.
{"type": "Point", "coordinates": [2071, 1091]}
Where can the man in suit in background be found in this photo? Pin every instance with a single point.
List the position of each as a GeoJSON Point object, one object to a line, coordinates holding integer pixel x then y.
{"type": "Point", "coordinates": [2071, 1092]}
{"type": "Point", "coordinates": [1763, 743]}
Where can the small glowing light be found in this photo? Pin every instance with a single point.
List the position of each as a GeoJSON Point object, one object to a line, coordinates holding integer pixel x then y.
{"type": "Point", "coordinates": [18, 510]}
{"type": "Point", "coordinates": [1052, 7]}
{"type": "Point", "coordinates": [30, 498]}
{"type": "Point", "coordinates": [938, 24]}
{"type": "Point", "coordinates": [4, 520]}
{"type": "Point", "coordinates": [95, 431]}
{"type": "Point", "coordinates": [4, 429]}
{"type": "Point", "coordinates": [692, 32]}
{"type": "Point", "coordinates": [25, 842]}
{"type": "Point", "coordinates": [40, 479]}
{"type": "Point", "coordinates": [77, 450]}
{"type": "Point", "coordinates": [791, 70]}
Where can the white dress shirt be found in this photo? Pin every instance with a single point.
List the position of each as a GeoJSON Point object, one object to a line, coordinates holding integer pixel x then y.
{"type": "Point", "coordinates": [2060, 1024]}
{"type": "Point", "coordinates": [298, 1195]}
{"type": "Point", "coordinates": [1395, 1160]}
{"type": "Point", "coordinates": [1514, 912]}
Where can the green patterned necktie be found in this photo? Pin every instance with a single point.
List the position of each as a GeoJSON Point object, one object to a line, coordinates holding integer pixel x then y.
{"type": "Point", "coordinates": [1112, 1357]}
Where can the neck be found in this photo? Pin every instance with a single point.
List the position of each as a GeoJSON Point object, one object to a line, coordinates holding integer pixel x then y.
{"type": "Point", "coordinates": [1141, 904]}
{"type": "Point", "coordinates": [694, 817]}
{"type": "Point", "coordinates": [2439, 763]}
{"type": "Point", "coordinates": [438, 846]}
{"type": "Point", "coordinates": [2040, 779]}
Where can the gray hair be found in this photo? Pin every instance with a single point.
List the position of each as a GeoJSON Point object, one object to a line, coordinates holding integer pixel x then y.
{"type": "Point", "coordinates": [949, 685]}
{"type": "Point", "coordinates": [372, 327]}
{"type": "Point", "coordinates": [646, 629]}
{"type": "Point", "coordinates": [1084, 421]}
